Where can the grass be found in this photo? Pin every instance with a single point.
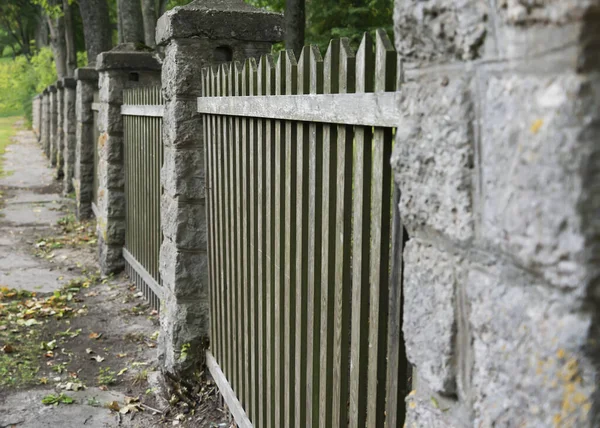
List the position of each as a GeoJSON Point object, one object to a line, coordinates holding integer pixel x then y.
{"type": "Point", "coordinates": [7, 130]}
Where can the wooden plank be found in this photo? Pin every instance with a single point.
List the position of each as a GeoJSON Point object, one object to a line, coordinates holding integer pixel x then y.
{"type": "Point", "coordinates": [209, 217]}
{"type": "Point", "coordinates": [246, 241]}
{"type": "Point", "coordinates": [314, 247]}
{"type": "Point", "coordinates": [366, 109]}
{"type": "Point", "coordinates": [343, 248]}
{"type": "Point", "coordinates": [278, 249]}
{"type": "Point", "coordinates": [329, 147]}
{"type": "Point", "coordinates": [302, 221]}
{"type": "Point", "coordinates": [237, 90]}
{"type": "Point", "coordinates": [360, 252]}
{"type": "Point", "coordinates": [219, 230]}
{"type": "Point", "coordinates": [225, 201]}
{"type": "Point", "coordinates": [385, 61]}
{"type": "Point", "coordinates": [252, 208]}
{"type": "Point", "coordinates": [270, 208]}
{"type": "Point", "coordinates": [397, 367]}
{"type": "Point", "coordinates": [235, 407]}
{"type": "Point", "coordinates": [146, 277]}
{"type": "Point", "coordinates": [289, 259]}
{"type": "Point", "coordinates": [260, 419]}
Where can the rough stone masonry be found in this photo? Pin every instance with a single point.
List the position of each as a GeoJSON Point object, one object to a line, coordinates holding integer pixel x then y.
{"type": "Point", "coordinates": [121, 68]}
{"type": "Point", "coordinates": [194, 36]}
{"type": "Point", "coordinates": [500, 183]}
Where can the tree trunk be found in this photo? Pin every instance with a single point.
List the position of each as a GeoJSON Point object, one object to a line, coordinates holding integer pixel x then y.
{"type": "Point", "coordinates": [149, 12]}
{"type": "Point", "coordinates": [96, 27]}
{"type": "Point", "coordinates": [59, 47]}
{"type": "Point", "coordinates": [295, 21]}
{"type": "Point", "coordinates": [130, 21]}
{"type": "Point", "coordinates": [41, 34]}
{"type": "Point", "coordinates": [69, 39]}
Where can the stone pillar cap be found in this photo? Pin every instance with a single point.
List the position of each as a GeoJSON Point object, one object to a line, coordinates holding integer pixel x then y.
{"type": "Point", "coordinates": [86, 73]}
{"type": "Point", "coordinates": [51, 88]}
{"type": "Point", "coordinates": [59, 84]}
{"type": "Point", "coordinates": [45, 91]}
{"type": "Point", "coordinates": [220, 19]}
{"type": "Point", "coordinates": [129, 56]}
{"type": "Point", "coordinates": [69, 82]}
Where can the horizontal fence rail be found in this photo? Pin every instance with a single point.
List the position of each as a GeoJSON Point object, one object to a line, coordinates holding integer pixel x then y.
{"type": "Point", "coordinates": [142, 123]}
{"type": "Point", "coordinates": [304, 254]}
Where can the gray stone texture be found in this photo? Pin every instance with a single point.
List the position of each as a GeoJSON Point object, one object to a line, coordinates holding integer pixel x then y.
{"type": "Point", "coordinates": [121, 68]}
{"type": "Point", "coordinates": [69, 133]}
{"type": "Point", "coordinates": [45, 121]}
{"type": "Point", "coordinates": [53, 131]}
{"type": "Point", "coordinates": [83, 180]}
{"type": "Point", "coordinates": [60, 135]}
{"type": "Point", "coordinates": [499, 172]}
{"type": "Point", "coordinates": [190, 35]}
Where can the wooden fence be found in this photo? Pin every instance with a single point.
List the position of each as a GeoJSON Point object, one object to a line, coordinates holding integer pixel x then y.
{"type": "Point", "coordinates": [142, 112]}
{"type": "Point", "coordinates": [305, 257]}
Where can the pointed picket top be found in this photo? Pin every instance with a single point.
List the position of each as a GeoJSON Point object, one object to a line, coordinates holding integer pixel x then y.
{"type": "Point", "coordinates": [223, 78]}
{"type": "Point", "coordinates": [214, 73]}
{"type": "Point", "coordinates": [347, 74]}
{"type": "Point", "coordinates": [280, 72]}
{"type": "Point", "coordinates": [267, 74]}
{"type": "Point", "coordinates": [291, 74]}
{"type": "Point", "coordinates": [385, 63]}
{"type": "Point", "coordinates": [237, 69]}
{"type": "Point", "coordinates": [331, 66]}
{"type": "Point", "coordinates": [230, 78]}
{"type": "Point", "coordinates": [316, 71]}
{"type": "Point", "coordinates": [365, 61]}
{"type": "Point", "coordinates": [253, 78]}
{"type": "Point", "coordinates": [304, 71]}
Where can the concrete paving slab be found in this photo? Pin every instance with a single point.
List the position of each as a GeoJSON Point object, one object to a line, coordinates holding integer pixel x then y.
{"type": "Point", "coordinates": [25, 410]}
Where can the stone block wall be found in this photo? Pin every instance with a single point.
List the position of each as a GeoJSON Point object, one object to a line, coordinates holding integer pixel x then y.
{"type": "Point", "coordinates": [53, 132]}
{"type": "Point", "coordinates": [121, 68]}
{"type": "Point", "coordinates": [500, 195]}
{"type": "Point", "coordinates": [45, 125]}
{"type": "Point", "coordinates": [69, 126]}
{"type": "Point", "coordinates": [194, 36]}
{"type": "Point", "coordinates": [60, 134]}
{"type": "Point", "coordinates": [83, 180]}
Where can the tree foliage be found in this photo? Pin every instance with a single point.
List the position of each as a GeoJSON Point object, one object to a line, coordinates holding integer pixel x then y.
{"type": "Point", "coordinates": [21, 80]}
{"type": "Point", "coordinates": [332, 19]}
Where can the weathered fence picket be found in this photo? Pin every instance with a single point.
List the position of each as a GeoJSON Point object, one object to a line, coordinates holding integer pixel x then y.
{"type": "Point", "coordinates": [143, 156]}
{"type": "Point", "coordinates": [300, 237]}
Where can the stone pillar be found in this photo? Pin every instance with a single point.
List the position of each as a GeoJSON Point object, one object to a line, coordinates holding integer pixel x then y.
{"type": "Point", "coordinates": [194, 36]}
{"type": "Point", "coordinates": [83, 181]}
{"type": "Point", "coordinates": [499, 171]}
{"type": "Point", "coordinates": [53, 122]}
{"type": "Point", "coordinates": [35, 112]}
{"type": "Point", "coordinates": [45, 137]}
{"type": "Point", "coordinates": [69, 133]}
{"type": "Point", "coordinates": [121, 68]}
{"type": "Point", "coordinates": [60, 97]}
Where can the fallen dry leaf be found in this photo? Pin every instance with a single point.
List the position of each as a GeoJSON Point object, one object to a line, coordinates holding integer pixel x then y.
{"type": "Point", "coordinates": [113, 405]}
{"type": "Point", "coordinates": [95, 336]}
{"type": "Point", "coordinates": [98, 358]}
{"type": "Point", "coordinates": [89, 350]}
{"type": "Point", "coordinates": [8, 349]}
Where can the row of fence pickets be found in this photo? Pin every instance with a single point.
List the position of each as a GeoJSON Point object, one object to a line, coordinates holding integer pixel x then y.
{"type": "Point", "coordinates": [371, 69]}
{"type": "Point", "coordinates": [260, 350]}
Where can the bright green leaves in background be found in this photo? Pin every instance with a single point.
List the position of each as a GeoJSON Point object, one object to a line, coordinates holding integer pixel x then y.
{"type": "Point", "coordinates": [21, 79]}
